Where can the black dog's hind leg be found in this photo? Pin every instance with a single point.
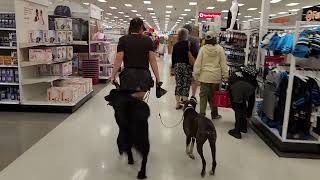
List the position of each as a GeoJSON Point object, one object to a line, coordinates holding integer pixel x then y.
{"type": "Point", "coordinates": [188, 141]}
{"type": "Point", "coordinates": [212, 141]}
{"type": "Point", "coordinates": [130, 156]}
{"type": "Point", "coordinates": [201, 139]}
{"type": "Point", "coordinates": [190, 153]}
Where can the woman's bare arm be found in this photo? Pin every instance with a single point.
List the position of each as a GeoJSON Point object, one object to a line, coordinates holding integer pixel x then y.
{"type": "Point", "coordinates": [154, 65]}
{"type": "Point", "coordinates": [117, 65]}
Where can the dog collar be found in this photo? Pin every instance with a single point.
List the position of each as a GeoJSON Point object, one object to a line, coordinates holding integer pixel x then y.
{"type": "Point", "coordinates": [188, 107]}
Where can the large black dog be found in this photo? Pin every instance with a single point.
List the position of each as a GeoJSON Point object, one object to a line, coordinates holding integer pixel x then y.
{"type": "Point", "coordinates": [132, 118]}
{"type": "Point", "coordinates": [200, 129]}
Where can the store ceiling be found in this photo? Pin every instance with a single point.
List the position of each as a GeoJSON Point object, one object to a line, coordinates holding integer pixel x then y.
{"type": "Point", "coordinates": [179, 7]}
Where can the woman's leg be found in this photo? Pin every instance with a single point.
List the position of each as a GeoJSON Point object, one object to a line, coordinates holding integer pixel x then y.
{"type": "Point", "coordinates": [179, 81]}
{"type": "Point", "coordinates": [214, 109]}
{"type": "Point", "coordinates": [204, 95]}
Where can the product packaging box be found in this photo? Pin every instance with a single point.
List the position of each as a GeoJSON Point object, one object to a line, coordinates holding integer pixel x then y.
{"type": "Point", "coordinates": [63, 24]}
{"type": "Point", "coordinates": [62, 36]}
{"type": "Point", "coordinates": [69, 94]}
{"type": "Point", "coordinates": [69, 52]}
{"type": "Point", "coordinates": [45, 70]}
{"type": "Point", "coordinates": [59, 53]}
{"type": "Point", "coordinates": [35, 36]}
{"type": "Point", "coordinates": [49, 36]}
{"type": "Point", "coordinates": [40, 55]}
{"type": "Point", "coordinates": [66, 68]}
{"type": "Point", "coordinates": [69, 37]}
{"type": "Point", "coordinates": [54, 94]}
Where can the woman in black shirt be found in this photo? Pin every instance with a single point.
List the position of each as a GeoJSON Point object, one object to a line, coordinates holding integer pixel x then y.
{"type": "Point", "coordinates": [135, 50]}
{"type": "Point", "coordinates": [182, 67]}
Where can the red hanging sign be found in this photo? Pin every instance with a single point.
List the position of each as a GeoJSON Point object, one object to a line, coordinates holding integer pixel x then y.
{"type": "Point", "coordinates": [209, 15]}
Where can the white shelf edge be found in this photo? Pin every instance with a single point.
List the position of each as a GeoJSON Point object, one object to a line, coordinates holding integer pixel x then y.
{"type": "Point", "coordinates": [98, 42]}
{"type": "Point", "coordinates": [8, 47]}
{"type": "Point", "coordinates": [8, 66]}
{"type": "Point", "coordinates": [9, 102]}
{"type": "Point", "coordinates": [7, 29]}
{"type": "Point", "coordinates": [42, 79]}
{"type": "Point", "coordinates": [30, 63]}
{"type": "Point", "coordinates": [30, 45]}
{"type": "Point", "coordinates": [48, 103]}
{"type": "Point", "coordinates": [9, 84]}
{"type": "Point", "coordinates": [106, 65]}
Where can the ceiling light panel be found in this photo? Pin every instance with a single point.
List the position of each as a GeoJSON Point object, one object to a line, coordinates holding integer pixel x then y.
{"type": "Point", "coordinates": [187, 10]}
{"type": "Point", "coordinates": [193, 3]}
{"type": "Point", "coordinates": [224, 11]}
{"type": "Point", "coordinates": [210, 7]}
{"type": "Point", "coordinates": [275, 1]}
{"type": "Point", "coordinates": [113, 7]}
{"type": "Point", "coordinates": [134, 11]}
{"type": "Point", "coordinates": [168, 12]}
{"type": "Point", "coordinates": [292, 4]}
{"type": "Point", "coordinates": [150, 9]}
{"type": "Point", "coordinates": [283, 13]}
{"type": "Point", "coordinates": [240, 4]}
{"type": "Point", "coordinates": [169, 6]}
{"type": "Point", "coordinates": [128, 5]}
{"type": "Point", "coordinates": [102, 0]}
{"type": "Point", "coordinates": [147, 2]}
{"type": "Point", "coordinates": [221, 0]}
{"type": "Point", "coordinates": [252, 9]}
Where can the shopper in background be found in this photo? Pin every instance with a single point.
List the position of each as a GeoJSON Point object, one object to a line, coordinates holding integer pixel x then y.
{"type": "Point", "coordinates": [210, 69]}
{"type": "Point", "coordinates": [242, 90]}
{"type": "Point", "coordinates": [182, 67]}
{"type": "Point", "coordinates": [195, 46]}
{"type": "Point", "coordinates": [136, 51]}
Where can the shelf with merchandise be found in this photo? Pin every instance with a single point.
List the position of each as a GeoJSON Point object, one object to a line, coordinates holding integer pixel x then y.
{"type": "Point", "coordinates": [31, 63]}
{"type": "Point", "coordinates": [8, 101]}
{"type": "Point", "coordinates": [7, 29]}
{"type": "Point", "coordinates": [8, 47]}
{"type": "Point", "coordinates": [9, 83]}
{"type": "Point", "coordinates": [8, 66]}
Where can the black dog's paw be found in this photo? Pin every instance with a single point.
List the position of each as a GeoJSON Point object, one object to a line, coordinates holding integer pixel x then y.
{"type": "Point", "coordinates": [203, 174]}
{"type": "Point", "coordinates": [212, 172]}
{"type": "Point", "coordinates": [142, 175]}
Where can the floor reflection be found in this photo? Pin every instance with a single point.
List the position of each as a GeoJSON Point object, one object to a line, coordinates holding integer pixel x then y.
{"type": "Point", "coordinates": [20, 131]}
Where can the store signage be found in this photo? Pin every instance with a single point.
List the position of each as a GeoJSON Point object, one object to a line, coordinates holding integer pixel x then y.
{"type": "Point", "coordinates": [311, 14]}
{"type": "Point", "coordinates": [209, 15]}
{"type": "Point", "coordinates": [95, 12]}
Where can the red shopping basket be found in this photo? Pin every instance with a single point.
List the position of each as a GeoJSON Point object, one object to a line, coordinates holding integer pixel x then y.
{"type": "Point", "coordinates": [221, 98]}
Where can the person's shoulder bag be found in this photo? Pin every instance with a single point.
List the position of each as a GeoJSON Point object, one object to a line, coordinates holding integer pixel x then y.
{"type": "Point", "coordinates": [192, 60]}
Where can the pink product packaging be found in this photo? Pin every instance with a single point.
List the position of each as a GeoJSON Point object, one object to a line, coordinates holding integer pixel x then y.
{"type": "Point", "coordinates": [62, 36]}
{"type": "Point", "coordinates": [66, 68]}
{"type": "Point", "coordinates": [35, 36]}
{"type": "Point", "coordinates": [49, 36]}
{"type": "Point", "coordinates": [69, 37]}
{"type": "Point", "coordinates": [69, 94]}
{"type": "Point", "coordinates": [54, 94]}
{"type": "Point", "coordinates": [63, 24]}
{"type": "Point", "coordinates": [40, 55]}
{"type": "Point", "coordinates": [69, 52]}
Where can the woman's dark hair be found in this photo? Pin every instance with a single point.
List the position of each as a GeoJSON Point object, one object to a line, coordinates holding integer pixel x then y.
{"type": "Point", "coordinates": [183, 34]}
{"type": "Point", "coordinates": [135, 25]}
{"type": "Point", "coordinates": [212, 41]}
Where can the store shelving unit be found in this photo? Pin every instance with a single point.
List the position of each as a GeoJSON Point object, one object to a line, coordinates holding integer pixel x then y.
{"type": "Point", "coordinates": [7, 50]}
{"type": "Point", "coordinates": [279, 142]}
{"type": "Point", "coordinates": [33, 87]}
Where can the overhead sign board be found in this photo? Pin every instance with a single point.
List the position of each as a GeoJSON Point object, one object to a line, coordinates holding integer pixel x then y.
{"type": "Point", "coordinates": [209, 15]}
{"type": "Point", "coordinates": [311, 14]}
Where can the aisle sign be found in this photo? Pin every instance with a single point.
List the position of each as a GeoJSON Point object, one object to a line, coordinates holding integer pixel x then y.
{"type": "Point", "coordinates": [311, 14]}
{"type": "Point", "coordinates": [209, 15]}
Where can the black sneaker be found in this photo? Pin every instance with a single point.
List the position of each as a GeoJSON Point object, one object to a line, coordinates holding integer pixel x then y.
{"type": "Point", "coordinates": [235, 134]}
{"type": "Point", "coordinates": [244, 130]}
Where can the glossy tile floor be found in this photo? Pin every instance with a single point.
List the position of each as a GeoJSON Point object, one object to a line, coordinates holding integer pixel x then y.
{"type": "Point", "coordinates": [83, 148]}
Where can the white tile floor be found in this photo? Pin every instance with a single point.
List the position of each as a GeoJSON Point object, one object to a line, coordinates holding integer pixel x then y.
{"type": "Point", "coordinates": [83, 148]}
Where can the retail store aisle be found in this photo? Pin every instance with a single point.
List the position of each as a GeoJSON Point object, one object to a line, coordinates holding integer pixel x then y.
{"type": "Point", "coordinates": [83, 147]}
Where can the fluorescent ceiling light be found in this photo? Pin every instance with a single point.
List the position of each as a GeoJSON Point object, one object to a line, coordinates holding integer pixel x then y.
{"type": "Point", "coordinates": [150, 9]}
{"type": "Point", "coordinates": [125, 21]}
{"type": "Point", "coordinates": [128, 5]}
{"type": "Point", "coordinates": [120, 19]}
{"type": "Point", "coordinates": [221, 0]}
{"type": "Point", "coordinates": [225, 17]}
{"type": "Point", "coordinates": [86, 3]}
{"type": "Point", "coordinates": [294, 10]}
{"type": "Point", "coordinates": [138, 15]}
{"type": "Point", "coordinates": [240, 4]}
{"type": "Point", "coordinates": [224, 11]}
{"type": "Point", "coordinates": [292, 4]}
{"type": "Point", "coordinates": [192, 19]}
{"type": "Point", "coordinates": [169, 6]}
{"type": "Point", "coordinates": [244, 21]}
{"type": "Point", "coordinates": [168, 12]}
{"type": "Point", "coordinates": [272, 15]}
{"type": "Point", "coordinates": [250, 20]}
{"type": "Point", "coordinates": [147, 2]}
{"type": "Point", "coordinates": [283, 13]}
{"type": "Point", "coordinates": [247, 16]}
{"type": "Point", "coordinates": [193, 3]}
{"type": "Point", "coordinates": [152, 13]}
{"type": "Point", "coordinates": [181, 17]}
{"type": "Point", "coordinates": [252, 9]}
{"type": "Point", "coordinates": [239, 14]}
{"type": "Point", "coordinates": [275, 1]}
{"type": "Point", "coordinates": [187, 10]}
{"type": "Point", "coordinates": [184, 14]}
{"type": "Point", "coordinates": [203, 21]}
{"type": "Point", "coordinates": [109, 14]}
{"type": "Point", "coordinates": [305, 7]}
{"type": "Point", "coordinates": [210, 7]}
{"type": "Point", "coordinates": [113, 7]}
{"type": "Point", "coordinates": [113, 20]}
{"type": "Point", "coordinates": [121, 12]}
{"type": "Point", "coordinates": [142, 18]}
{"type": "Point", "coordinates": [126, 16]}
{"type": "Point", "coordinates": [116, 17]}
{"type": "Point", "coordinates": [256, 18]}
{"type": "Point", "coordinates": [102, 0]}
{"type": "Point", "coordinates": [153, 17]}
{"type": "Point", "coordinates": [167, 15]}
{"type": "Point", "coordinates": [134, 11]}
